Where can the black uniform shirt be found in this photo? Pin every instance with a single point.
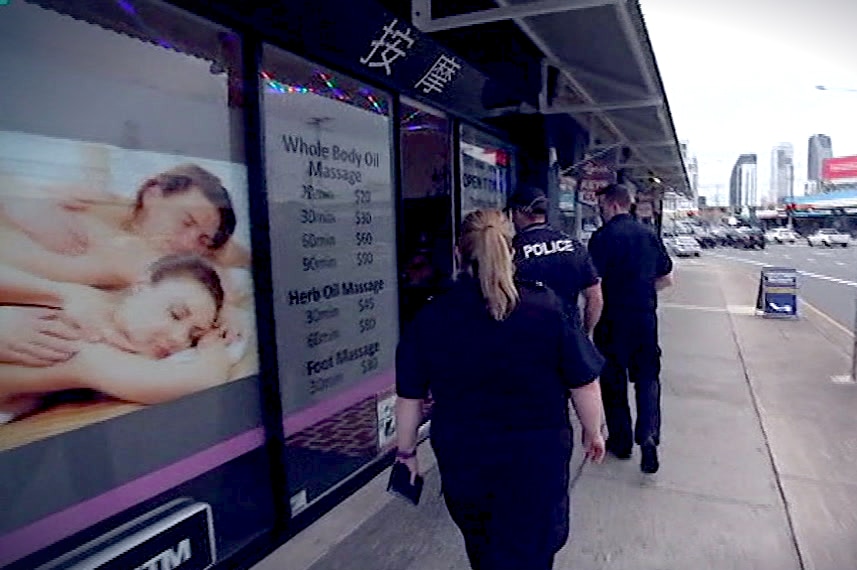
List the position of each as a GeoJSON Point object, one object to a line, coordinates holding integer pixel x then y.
{"type": "Point", "coordinates": [488, 376]}
{"type": "Point", "coordinates": [629, 257]}
{"type": "Point", "coordinates": [551, 257]}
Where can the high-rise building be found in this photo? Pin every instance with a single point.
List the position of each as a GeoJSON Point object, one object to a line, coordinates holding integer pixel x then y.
{"type": "Point", "coordinates": [819, 148]}
{"type": "Point", "coordinates": [782, 172]}
{"type": "Point", "coordinates": [691, 164]}
{"type": "Point", "coordinates": [743, 190]}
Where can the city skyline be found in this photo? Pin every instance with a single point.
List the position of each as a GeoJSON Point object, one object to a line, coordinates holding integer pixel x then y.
{"type": "Point", "coordinates": [758, 89]}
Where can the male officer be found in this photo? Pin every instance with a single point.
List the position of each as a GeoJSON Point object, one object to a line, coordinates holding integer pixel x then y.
{"type": "Point", "coordinates": [553, 258]}
{"type": "Point", "coordinates": [633, 265]}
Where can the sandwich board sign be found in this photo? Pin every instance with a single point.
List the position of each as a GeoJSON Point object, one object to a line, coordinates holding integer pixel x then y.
{"type": "Point", "coordinates": [777, 295]}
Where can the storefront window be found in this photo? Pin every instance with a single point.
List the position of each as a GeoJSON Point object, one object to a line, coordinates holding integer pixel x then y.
{"type": "Point", "coordinates": [487, 166]}
{"type": "Point", "coordinates": [329, 179]}
{"type": "Point", "coordinates": [124, 203]}
{"type": "Point", "coordinates": [428, 214]}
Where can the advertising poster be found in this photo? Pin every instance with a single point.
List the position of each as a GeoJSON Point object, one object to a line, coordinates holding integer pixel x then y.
{"type": "Point", "coordinates": [124, 282]}
{"type": "Point", "coordinates": [334, 261]}
{"type": "Point", "coordinates": [128, 361]}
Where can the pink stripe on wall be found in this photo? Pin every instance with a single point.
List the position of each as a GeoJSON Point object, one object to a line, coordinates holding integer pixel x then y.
{"type": "Point", "coordinates": [53, 528]}
{"type": "Point", "coordinates": [293, 423]}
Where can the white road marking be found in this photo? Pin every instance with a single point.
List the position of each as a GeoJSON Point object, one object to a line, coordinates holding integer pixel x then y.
{"type": "Point", "coordinates": [799, 271]}
{"type": "Point", "coordinates": [844, 379]}
{"type": "Point", "coordinates": [692, 307]}
{"type": "Point", "coordinates": [731, 309]}
{"type": "Point", "coordinates": [741, 310]}
{"type": "Point", "coordinates": [840, 264]}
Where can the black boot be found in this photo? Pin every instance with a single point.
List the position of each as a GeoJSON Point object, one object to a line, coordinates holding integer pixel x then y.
{"type": "Point", "coordinates": [649, 462]}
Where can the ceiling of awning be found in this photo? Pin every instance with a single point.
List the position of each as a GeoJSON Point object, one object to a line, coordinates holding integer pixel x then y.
{"type": "Point", "coordinates": [608, 77]}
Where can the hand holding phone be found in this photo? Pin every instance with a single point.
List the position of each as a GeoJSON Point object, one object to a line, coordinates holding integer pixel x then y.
{"type": "Point", "coordinates": [405, 485]}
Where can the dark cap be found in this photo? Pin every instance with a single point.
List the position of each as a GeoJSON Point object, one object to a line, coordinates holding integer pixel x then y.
{"type": "Point", "coordinates": [529, 198]}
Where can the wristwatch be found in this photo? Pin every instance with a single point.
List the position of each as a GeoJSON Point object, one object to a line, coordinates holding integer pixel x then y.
{"type": "Point", "coordinates": [406, 454]}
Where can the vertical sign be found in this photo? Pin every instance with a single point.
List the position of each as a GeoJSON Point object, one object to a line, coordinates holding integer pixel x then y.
{"type": "Point", "coordinates": [597, 171]}
{"type": "Point", "coordinates": [333, 242]}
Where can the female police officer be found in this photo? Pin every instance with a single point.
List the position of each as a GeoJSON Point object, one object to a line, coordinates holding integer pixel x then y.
{"type": "Point", "coordinates": [499, 359]}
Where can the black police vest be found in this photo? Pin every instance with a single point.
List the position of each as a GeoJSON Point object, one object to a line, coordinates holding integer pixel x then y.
{"type": "Point", "coordinates": [549, 256]}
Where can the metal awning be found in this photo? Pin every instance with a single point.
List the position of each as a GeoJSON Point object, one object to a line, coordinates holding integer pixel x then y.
{"type": "Point", "coordinates": [607, 79]}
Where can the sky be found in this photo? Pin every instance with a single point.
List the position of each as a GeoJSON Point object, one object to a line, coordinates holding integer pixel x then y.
{"type": "Point", "coordinates": [741, 76]}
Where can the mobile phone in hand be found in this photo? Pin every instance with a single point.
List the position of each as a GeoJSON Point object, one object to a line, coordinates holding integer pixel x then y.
{"type": "Point", "coordinates": [400, 483]}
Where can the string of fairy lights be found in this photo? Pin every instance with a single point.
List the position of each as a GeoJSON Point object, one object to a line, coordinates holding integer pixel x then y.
{"type": "Point", "coordinates": [363, 97]}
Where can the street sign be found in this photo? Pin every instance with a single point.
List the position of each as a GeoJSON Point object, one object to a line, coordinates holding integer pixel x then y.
{"type": "Point", "coordinates": [777, 295]}
{"type": "Point", "coordinates": [596, 175]}
{"type": "Point", "coordinates": [594, 172]}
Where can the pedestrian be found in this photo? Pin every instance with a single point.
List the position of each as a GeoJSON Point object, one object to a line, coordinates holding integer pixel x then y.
{"type": "Point", "coordinates": [634, 266]}
{"type": "Point", "coordinates": [552, 257]}
{"type": "Point", "coordinates": [499, 357]}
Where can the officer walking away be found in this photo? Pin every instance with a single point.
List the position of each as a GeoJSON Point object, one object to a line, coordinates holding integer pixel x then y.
{"type": "Point", "coordinates": [500, 427]}
{"type": "Point", "coordinates": [634, 266]}
{"type": "Point", "coordinates": [550, 256]}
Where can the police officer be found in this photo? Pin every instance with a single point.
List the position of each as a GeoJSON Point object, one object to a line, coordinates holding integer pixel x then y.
{"type": "Point", "coordinates": [633, 265]}
{"type": "Point", "coordinates": [500, 359]}
{"type": "Point", "coordinates": [551, 257]}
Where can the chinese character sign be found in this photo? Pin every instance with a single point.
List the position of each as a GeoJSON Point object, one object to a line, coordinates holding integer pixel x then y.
{"type": "Point", "coordinates": [439, 75]}
{"type": "Point", "coordinates": [390, 46]}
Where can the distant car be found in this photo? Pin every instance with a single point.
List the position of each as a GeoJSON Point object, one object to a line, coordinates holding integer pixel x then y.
{"type": "Point", "coordinates": [705, 237]}
{"type": "Point", "coordinates": [780, 235]}
{"type": "Point", "coordinates": [748, 238]}
{"type": "Point", "coordinates": [685, 246]}
{"type": "Point", "coordinates": [829, 237]}
{"type": "Point", "coordinates": [720, 236]}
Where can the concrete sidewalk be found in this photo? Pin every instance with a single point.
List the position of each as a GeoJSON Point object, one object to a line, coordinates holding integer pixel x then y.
{"type": "Point", "coordinates": [759, 459]}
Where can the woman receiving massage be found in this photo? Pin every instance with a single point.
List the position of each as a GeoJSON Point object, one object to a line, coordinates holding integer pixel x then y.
{"type": "Point", "coordinates": [144, 357]}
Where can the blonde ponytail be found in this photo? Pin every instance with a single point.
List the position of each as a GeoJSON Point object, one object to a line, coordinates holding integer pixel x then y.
{"type": "Point", "coordinates": [486, 251]}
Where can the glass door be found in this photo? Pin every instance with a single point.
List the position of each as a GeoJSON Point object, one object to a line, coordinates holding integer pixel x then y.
{"type": "Point", "coordinates": [427, 205]}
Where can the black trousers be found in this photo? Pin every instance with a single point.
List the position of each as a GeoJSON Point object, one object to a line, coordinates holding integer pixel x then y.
{"type": "Point", "coordinates": [632, 352]}
{"type": "Point", "coordinates": [509, 498]}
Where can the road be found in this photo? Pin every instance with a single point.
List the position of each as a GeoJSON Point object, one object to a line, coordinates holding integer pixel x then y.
{"type": "Point", "coordinates": [828, 276]}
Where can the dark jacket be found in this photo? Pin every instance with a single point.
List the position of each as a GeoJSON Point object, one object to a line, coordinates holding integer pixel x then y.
{"type": "Point", "coordinates": [630, 257]}
{"type": "Point", "coordinates": [488, 376]}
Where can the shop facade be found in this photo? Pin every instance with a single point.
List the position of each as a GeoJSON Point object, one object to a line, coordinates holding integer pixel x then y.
{"type": "Point", "coordinates": [347, 183]}
{"type": "Point", "coordinates": [317, 158]}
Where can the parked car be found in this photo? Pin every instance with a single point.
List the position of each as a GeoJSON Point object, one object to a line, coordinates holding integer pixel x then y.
{"type": "Point", "coordinates": [705, 237]}
{"type": "Point", "coordinates": [781, 235]}
{"type": "Point", "coordinates": [829, 237]}
{"type": "Point", "coordinates": [720, 235]}
{"type": "Point", "coordinates": [748, 238]}
{"type": "Point", "coordinates": [685, 246]}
